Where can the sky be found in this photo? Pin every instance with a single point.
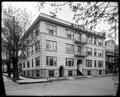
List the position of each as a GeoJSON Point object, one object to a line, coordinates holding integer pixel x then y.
{"type": "Point", "coordinates": [64, 14]}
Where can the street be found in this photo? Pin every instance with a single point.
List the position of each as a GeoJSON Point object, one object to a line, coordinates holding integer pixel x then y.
{"type": "Point", "coordinates": [84, 86]}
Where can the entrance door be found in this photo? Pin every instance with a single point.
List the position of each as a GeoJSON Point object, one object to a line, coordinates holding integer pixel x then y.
{"type": "Point", "coordinates": [61, 71]}
{"type": "Point", "coordinates": [79, 67]}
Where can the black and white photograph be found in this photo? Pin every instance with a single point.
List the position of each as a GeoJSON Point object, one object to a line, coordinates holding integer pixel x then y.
{"type": "Point", "coordinates": [60, 48]}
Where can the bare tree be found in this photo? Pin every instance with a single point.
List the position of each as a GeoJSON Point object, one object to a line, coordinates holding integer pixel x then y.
{"type": "Point", "coordinates": [14, 24]}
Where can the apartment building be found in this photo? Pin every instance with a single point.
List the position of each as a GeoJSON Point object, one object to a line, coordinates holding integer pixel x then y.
{"type": "Point", "coordinates": [57, 48]}
{"type": "Point", "coordinates": [112, 55]}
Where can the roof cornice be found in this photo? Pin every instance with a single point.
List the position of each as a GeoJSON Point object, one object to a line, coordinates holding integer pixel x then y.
{"type": "Point", "coordinates": [60, 22]}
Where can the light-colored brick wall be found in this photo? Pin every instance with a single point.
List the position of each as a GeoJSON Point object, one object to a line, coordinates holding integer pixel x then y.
{"type": "Point", "coordinates": [61, 52]}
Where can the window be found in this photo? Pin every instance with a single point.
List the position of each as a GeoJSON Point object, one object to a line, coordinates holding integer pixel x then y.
{"type": "Point", "coordinates": [100, 42]}
{"type": "Point", "coordinates": [52, 30]}
{"type": "Point", "coordinates": [95, 52]}
{"type": "Point", "coordinates": [28, 64]}
{"type": "Point", "coordinates": [23, 72]}
{"type": "Point", "coordinates": [28, 51]}
{"type": "Point", "coordinates": [37, 61]}
{"type": "Point", "coordinates": [89, 51]}
{"type": "Point", "coordinates": [32, 73]}
{"type": "Point", "coordinates": [100, 71]}
{"type": "Point", "coordinates": [69, 48]}
{"type": "Point", "coordinates": [28, 73]}
{"type": "Point", "coordinates": [51, 45]}
{"type": "Point", "coordinates": [37, 73]}
{"type": "Point", "coordinates": [88, 63]}
{"type": "Point", "coordinates": [32, 62]}
{"type": "Point", "coordinates": [88, 72]}
{"type": "Point", "coordinates": [51, 73]}
{"type": "Point", "coordinates": [37, 46]}
{"type": "Point", "coordinates": [32, 50]}
{"type": "Point", "coordinates": [70, 34]}
{"type": "Point", "coordinates": [95, 63]}
{"type": "Point", "coordinates": [36, 30]}
{"type": "Point", "coordinates": [79, 49]}
{"type": "Point", "coordinates": [100, 64]}
{"type": "Point", "coordinates": [51, 61]}
{"type": "Point", "coordinates": [90, 39]}
{"type": "Point", "coordinates": [100, 53]}
{"type": "Point", "coordinates": [69, 61]}
{"type": "Point", "coordinates": [70, 73]}
{"type": "Point", "coordinates": [95, 40]}
{"type": "Point", "coordinates": [23, 64]}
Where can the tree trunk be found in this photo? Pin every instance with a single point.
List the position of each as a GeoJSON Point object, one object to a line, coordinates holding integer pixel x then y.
{"type": "Point", "coordinates": [15, 69]}
{"type": "Point", "coordinates": [8, 69]}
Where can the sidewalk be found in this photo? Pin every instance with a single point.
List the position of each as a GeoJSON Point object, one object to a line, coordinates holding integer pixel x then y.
{"type": "Point", "coordinates": [25, 80]}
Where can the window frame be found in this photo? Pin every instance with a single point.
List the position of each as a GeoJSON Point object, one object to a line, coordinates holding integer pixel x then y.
{"type": "Point", "coordinates": [51, 45]}
{"type": "Point", "coordinates": [69, 48]}
{"type": "Point", "coordinates": [51, 73]}
{"type": "Point", "coordinates": [98, 52]}
{"type": "Point", "coordinates": [70, 73]}
{"type": "Point", "coordinates": [95, 63]}
{"type": "Point", "coordinates": [28, 63]}
{"type": "Point", "coordinates": [37, 46]}
{"type": "Point", "coordinates": [88, 48]}
{"type": "Point", "coordinates": [48, 61]}
{"type": "Point", "coordinates": [53, 28]}
{"type": "Point", "coordinates": [71, 63]}
{"type": "Point", "coordinates": [89, 63]}
{"type": "Point", "coordinates": [69, 33]}
{"type": "Point", "coordinates": [100, 65]}
{"type": "Point", "coordinates": [36, 61]}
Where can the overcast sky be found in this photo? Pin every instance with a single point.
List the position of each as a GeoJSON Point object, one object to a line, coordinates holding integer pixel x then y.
{"type": "Point", "coordinates": [64, 14]}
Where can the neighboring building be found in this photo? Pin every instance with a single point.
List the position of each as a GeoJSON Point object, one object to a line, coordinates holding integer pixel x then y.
{"type": "Point", "coordinates": [56, 48]}
{"type": "Point", "coordinates": [112, 55]}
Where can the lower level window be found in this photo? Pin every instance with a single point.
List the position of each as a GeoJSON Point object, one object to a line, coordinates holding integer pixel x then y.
{"type": "Point", "coordinates": [100, 71]}
{"type": "Point", "coordinates": [27, 73]}
{"type": "Point", "coordinates": [70, 73]}
{"type": "Point", "coordinates": [88, 72]}
{"type": "Point", "coordinates": [32, 73]}
{"type": "Point", "coordinates": [23, 72]}
{"type": "Point", "coordinates": [51, 73]}
{"type": "Point", "coordinates": [37, 73]}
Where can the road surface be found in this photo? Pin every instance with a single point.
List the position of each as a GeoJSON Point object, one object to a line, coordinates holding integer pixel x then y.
{"type": "Point", "coordinates": [76, 87]}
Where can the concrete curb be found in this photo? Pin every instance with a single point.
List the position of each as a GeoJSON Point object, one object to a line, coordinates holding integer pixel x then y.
{"type": "Point", "coordinates": [32, 82]}
{"type": "Point", "coordinates": [58, 79]}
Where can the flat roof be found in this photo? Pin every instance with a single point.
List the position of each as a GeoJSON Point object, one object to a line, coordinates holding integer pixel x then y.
{"type": "Point", "coordinates": [61, 22]}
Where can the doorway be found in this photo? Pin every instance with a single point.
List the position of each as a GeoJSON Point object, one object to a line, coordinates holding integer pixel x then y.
{"type": "Point", "coordinates": [61, 71]}
{"type": "Point", "coordinates": [79, 67]}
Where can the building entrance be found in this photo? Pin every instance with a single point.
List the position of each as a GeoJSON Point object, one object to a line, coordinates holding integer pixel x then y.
{"type": "Point", "coordinates": [79, 67]}
{"type": "Point", "coordinates": [61, 71]}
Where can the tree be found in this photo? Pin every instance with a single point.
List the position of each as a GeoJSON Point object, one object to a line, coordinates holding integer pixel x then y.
{"type": "Point", "coordinates": [14, 24]}
{"type": "Point", "coordinates": [88, 14]}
